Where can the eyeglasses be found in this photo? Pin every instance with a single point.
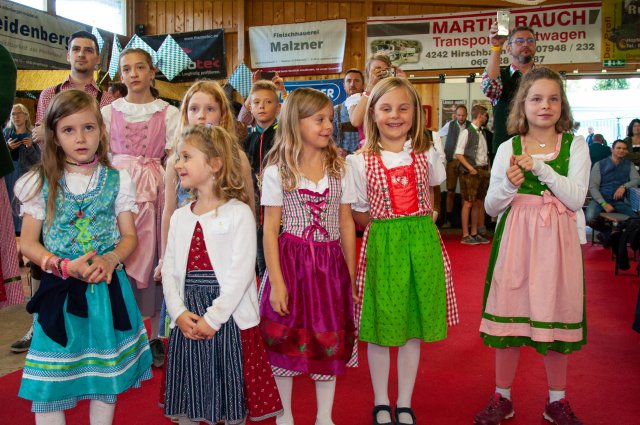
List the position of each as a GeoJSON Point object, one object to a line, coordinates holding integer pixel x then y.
{"type": "Point", "coordinates": [522, 41]}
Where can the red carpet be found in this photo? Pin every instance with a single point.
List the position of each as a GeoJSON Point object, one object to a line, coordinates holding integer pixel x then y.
{"type": "Point", "coordinates": [456, 375]}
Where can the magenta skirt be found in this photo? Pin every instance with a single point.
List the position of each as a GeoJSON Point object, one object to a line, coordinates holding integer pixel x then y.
{"type": "Point", "coordinates": [318, 334]}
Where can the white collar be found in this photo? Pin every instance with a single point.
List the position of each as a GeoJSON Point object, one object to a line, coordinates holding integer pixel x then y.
{"type": "Point", "coordinates": [128, 108]}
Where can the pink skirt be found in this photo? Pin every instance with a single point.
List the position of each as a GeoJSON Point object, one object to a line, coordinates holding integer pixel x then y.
{"type": "Point", "coordinates": [537, 287]}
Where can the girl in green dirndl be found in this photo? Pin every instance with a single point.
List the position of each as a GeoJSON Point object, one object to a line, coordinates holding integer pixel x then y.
{"type": "Point", "coordinates": [534, 288]}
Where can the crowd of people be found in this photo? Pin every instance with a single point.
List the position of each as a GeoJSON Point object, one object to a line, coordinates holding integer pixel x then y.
{"type": "Point", "coordinates": [117, 190]}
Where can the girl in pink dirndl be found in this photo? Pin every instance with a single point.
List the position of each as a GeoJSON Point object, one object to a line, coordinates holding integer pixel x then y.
{"type": "Point", "coordinates": [534, 288]}
{"type": "Point", "coordinates": [141, 127]}
{"type": "Point", "coordinates": [306, 304]}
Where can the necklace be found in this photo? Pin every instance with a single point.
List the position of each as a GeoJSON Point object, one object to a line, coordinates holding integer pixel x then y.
{"type": "Point", "coordinates": [80, 205]}
{"type": "Point", "coordinates": [91, 163]}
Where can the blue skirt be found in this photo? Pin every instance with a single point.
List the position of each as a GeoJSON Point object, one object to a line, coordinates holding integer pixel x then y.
{"type": "Point", "coordinates": [98, 361]}
{"type": "Point", "coordinates": [205, 378]}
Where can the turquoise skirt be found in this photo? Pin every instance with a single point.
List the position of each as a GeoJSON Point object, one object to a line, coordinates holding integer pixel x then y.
{"type": "Point", "coordinates": [98, 361]}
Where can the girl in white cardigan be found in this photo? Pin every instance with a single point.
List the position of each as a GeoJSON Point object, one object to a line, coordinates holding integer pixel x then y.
{"type": "Point", "coordinates": [217, 366]}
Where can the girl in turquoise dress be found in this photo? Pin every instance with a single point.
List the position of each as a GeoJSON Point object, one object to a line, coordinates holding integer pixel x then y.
{"type": "Point", "coordinates": [89, 340]}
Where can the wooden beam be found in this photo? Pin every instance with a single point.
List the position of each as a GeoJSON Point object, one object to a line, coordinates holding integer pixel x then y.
{"type": "Point", "coordinates": [241, 30]}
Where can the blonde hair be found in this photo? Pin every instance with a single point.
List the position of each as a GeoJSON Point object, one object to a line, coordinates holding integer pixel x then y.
{"type": "Point", "coordinates": [288, 144]}
{"type": "Point", "coordinates": [213, 89]}
{"type": "Point", "coordinates": [148, 59]}
{"type": "Point", "coordinates": [419, 142]}
{"type": "Point", "coordinates": [64, 104]}
{"type": "Point", "coordinates": [216, 142]}
{"type": "Point", "coordinates": [264, 85]}
{"type": "Point", "coordinates": [517, 121]}
{"type": "Point", "coordinates": [24, 110]}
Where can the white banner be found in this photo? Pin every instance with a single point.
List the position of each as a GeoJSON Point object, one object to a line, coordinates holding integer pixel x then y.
{"type": "Point", "coordinates": [565, 33]}
{"type": "Point", "coordinates": [36, 39]}
{"type": "Point", "coordinates": [299, 49]}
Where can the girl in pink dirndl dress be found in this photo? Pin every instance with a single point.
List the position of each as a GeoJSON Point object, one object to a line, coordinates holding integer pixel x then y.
{"type": "Point", "coordinates": [306, 306]}
{"type": "Point", "coordinates": [141, 127]}
{"type": "Point", "coordinates": [534, 289]}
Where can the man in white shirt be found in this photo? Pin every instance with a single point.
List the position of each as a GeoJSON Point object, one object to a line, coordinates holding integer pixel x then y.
{"type": "Point", "coordinates": [472, 152]}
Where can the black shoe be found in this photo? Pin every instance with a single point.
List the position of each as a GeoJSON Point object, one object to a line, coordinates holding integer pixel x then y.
{"type": "Point", "coordinates": [405, 410]}
{"type": "Point", "coordinates": [381, 408]}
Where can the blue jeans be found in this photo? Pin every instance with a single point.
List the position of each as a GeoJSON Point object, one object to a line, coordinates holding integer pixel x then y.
{"type": "Point", "coordinates": [594, 209]}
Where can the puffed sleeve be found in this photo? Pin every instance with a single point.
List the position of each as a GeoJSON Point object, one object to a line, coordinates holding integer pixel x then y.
{"type": "Point", "coordinates": [106, 116]}
{"type": "Point", "coordinates": [358, 178]}
{"type": "Point", "coordinates": [172, 121]}
{"type": "Point", "coordinates": [572, 189]}
{"type": "Point", "coordinates": [437, 172]}
{"type": "Point", "coordinates": [31, 203]}
{"type": "Point", "coordinates": [271, 187]}
{"type": "Point", "coordinates": [126, 199]}
{"type": "Point", "coordinates": [348, 191]}
{"type": "Point", "coordinates": [501, 191]}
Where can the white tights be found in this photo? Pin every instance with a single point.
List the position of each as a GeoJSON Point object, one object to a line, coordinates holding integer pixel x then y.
{"type": "Point", "coordinates": [379, 365]}
{"type": "Point", "coordinates": [325, 390]}
{"type": "Point", "coordinates": [100, 413]}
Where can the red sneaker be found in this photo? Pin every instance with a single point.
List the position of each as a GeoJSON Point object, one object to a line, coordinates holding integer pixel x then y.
{"type": "Point", "coordinates": [560, 413]}
{"type": "Point", "coordinates": [498, 409]}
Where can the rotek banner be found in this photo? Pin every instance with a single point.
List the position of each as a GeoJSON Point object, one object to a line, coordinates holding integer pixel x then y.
{"type": "Point", "coordinates": [206, 50]}
{"type": "Point", "coordinates": [621, 32]}
{"type": "Point", "coordinates": [299, 49]}
{"type": "Point", "coordinates": [36, 39]}
{"type": "Point", "coordinates": [334, 89]}
{"type": "Point", "coordinates": [565, 33]}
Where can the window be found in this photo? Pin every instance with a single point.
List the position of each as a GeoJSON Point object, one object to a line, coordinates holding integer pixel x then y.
{"type": "Point", "coordinates": [36, 4]}
{"type": "Point", "coordinates": [104, 14]}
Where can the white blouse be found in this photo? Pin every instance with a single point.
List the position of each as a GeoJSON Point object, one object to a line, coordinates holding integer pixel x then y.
{"type": "Point", "coordinates": [140, 112]}
{"type": "Point", "coordinates": [77, 184]}
{"type": "Point", "coordinates": [272, 193]}
{"type": "Point", "coordinates": [570, 190]}
{"type": "Point", "coordinates": [437, 171]}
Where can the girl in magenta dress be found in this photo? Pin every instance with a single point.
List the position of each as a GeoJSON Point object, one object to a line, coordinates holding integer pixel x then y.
{"type": "Point", "coordinates": [306, 296]}
{"type": "Point", "coordinates": [141, 128]}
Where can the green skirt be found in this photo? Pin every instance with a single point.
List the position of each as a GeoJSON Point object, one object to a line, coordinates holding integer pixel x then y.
{"type": "Point", "coordinates": [404, 291]}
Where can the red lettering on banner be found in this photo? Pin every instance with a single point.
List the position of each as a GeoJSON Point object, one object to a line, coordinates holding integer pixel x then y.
{"type": "Point", "coordinates": [549, 19]}
{"type": "Point", "coordinates": [468, 25]}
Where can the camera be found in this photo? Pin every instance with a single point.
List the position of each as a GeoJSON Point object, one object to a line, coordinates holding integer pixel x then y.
{"type": "Point", "coordinates": [390, 72]}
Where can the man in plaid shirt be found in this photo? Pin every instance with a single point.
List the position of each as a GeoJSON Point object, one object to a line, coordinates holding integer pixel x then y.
{"type": "Point", "coordinates": [501, 84]}
{"type": "Point", "coordinates": [84, 57]}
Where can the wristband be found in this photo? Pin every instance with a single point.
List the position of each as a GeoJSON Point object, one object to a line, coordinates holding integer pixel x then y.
{"type": "Point", "coordinates": [603, 203]}
{"type": "Point", "coordinates": [45, 260]}
{"type": "Point", "coordinates": [118, 265]}
{"type": "Point", "coordinates": [63, 268]}
{"type": "Point", "coordinates": [496, 48]}
{"type": "Point", "coordinates": [366, 93]}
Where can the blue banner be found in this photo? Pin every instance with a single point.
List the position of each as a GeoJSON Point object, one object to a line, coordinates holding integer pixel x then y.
{"type": "Point", "coordinates": [332, 88]}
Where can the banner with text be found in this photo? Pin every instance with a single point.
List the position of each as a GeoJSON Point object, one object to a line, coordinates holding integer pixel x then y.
{"type": "Point", "coordinates": [38, 40]}
{"type": "Point", "coordinates": [621, 32]}
{"type": "Point", "coordinates": [204, 48]}
{"type": "Point", "coordinates": [565, 33]}
{"type": "Point", "coordinates": [334, 88]}
{"type": "Point", "coordinates": [310, 48]}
